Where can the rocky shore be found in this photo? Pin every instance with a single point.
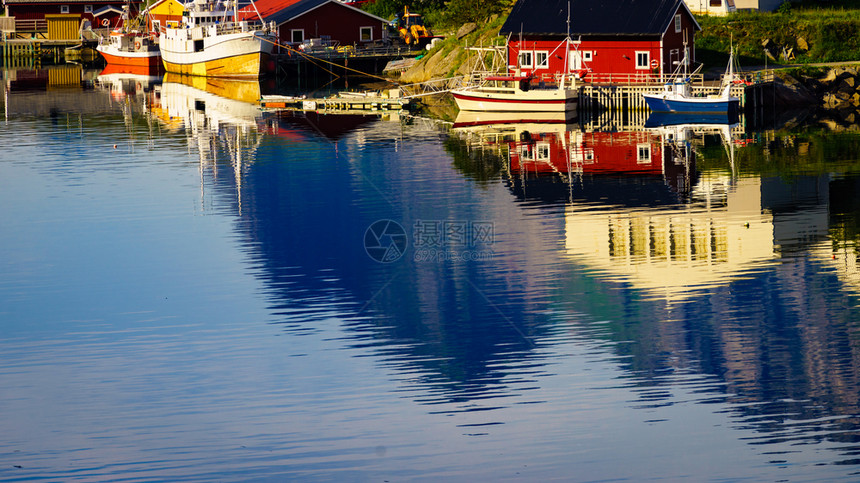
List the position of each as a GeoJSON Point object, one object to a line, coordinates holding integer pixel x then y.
{"type": "Point", "coordinates": [832, 97]}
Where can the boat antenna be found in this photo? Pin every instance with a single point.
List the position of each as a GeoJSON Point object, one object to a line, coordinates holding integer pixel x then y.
{"type": "Point", "coordinates": [567, 45]}
{"type": "Point", "coordinates": [519, 48]}
{"type": "Point", "coordinates": [568, 18]}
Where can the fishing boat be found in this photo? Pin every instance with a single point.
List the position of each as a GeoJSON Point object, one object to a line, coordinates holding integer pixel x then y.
{"type": "Point", "coordinates": [212, 42]}
{"type": "Point", "coordinates": [677, 94]}
{"type": "Point", "coordinates": [130, 44]}
{"type": "Point", "coordinates": [513, 93]}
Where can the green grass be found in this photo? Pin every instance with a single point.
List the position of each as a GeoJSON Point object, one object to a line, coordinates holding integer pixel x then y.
{"type": "Point", "coordinates": [831, 34]}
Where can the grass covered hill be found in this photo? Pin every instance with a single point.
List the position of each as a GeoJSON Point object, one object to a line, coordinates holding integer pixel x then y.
{"type": "Point", "coordinates": [794, 34]}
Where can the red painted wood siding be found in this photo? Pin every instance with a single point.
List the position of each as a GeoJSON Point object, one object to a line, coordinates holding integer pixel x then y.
{"type": "Point", "coordinates": [341, 23]}
{"type": "Point", "coordinates": [675, 41]}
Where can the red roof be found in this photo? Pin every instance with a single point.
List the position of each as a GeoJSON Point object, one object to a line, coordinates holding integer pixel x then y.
{"type": "Point", "coordinates": [265, 7]}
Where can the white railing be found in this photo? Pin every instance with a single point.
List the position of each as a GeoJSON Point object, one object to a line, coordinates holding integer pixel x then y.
{"type": "Point", "coordinates": [7, 24]}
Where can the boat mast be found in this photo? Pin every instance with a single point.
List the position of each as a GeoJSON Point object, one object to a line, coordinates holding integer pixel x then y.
{"type": "Point", "coordinates": [566, 47]}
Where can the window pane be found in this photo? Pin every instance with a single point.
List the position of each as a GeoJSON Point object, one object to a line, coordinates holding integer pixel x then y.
{"type": "Point", "coordinates": [525, 59]}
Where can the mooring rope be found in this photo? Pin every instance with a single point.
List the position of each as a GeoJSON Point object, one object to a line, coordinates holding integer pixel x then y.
{"type": "Point", "coordinates": [312, 58]}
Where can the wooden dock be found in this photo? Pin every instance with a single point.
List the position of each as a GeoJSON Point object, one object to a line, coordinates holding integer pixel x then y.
{"type": "Point", "coordinates": [630, 97]}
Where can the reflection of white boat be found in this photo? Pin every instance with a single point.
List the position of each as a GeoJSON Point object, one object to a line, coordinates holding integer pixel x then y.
{"type": "Point", "coordinates": [212, 42]}
{"type": "Point", "coordinates": [517, 93]}
{"type": "Point", "coordinates": [677, 95]}
{"type": "Point", "coordinates": [481, 118]}
{"type": "Point", "coordinates": [220, 101]}
{"type": "Point", "coordinates": [663, 119]}
{"type": "Point", "coordinates": [677, 129]}
{"type": "Point", "coordinates": [218, 116]}
{"type": "Point", "coordinates": [125, 80]}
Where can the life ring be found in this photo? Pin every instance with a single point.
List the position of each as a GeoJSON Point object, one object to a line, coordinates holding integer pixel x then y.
{"type": "Point", "coordinates": [105, 22]}
{"type": "Point", "coordinates": [654, 63]}
{"type": "Point", "coordinates": [581, 73]}
{"type": "Point", "coordinates": [137, 44]}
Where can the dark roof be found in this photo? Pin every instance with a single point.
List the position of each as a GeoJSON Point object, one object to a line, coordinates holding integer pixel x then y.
{"type": "Point", "coordinates": [590, 17]}
{"type": "Point", "coordinates": [280, 11]}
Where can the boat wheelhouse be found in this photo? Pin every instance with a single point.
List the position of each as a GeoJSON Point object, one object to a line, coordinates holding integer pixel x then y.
{"type": "Point", "coordinates": [209, 42]}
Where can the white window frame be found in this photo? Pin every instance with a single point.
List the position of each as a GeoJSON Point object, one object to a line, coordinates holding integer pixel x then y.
{"type": "Point", "coordinates": [541, 64]}
{"type": "Point", "coordinates": [361, 32]}
{"type": "Point", "coordinates": [64, 9]}
{"type": "Point", "coordinates": [523, 54]}
{"type": "Point", "coordinates": [582, 155]}
{"type": "Point", "coordinates": [647, 56]}
{"type": "Point", "coordinates": [526, 153]}
{"type": "Point", "coordinates": [156, 25]}
{"type": "Point", "coordinates": [542, 152]}
{"type": "Point", "coordinates": [88, 9]}
{"type": "Point", "coordinates": [587, 55]}
{"type": "Point", "coordinates": [678, 23]}
{"type": "Point", "coordinates": [293, 33]}
{"type": "Point", "coordinates": [643, 153]}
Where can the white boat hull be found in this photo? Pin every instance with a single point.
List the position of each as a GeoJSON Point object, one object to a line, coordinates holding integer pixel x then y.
{"type": "Point", "coordinates": [237, 54]}
{"type": "Point", "coordinates": [533, 100]}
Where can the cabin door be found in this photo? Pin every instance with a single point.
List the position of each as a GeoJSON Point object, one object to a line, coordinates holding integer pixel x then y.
{"type": "Point", "coordinates": [674, 58]}
{"type": "Point", "coordinates": [575, 61]}
{"type": "Point", "coordinates": [579, 59]}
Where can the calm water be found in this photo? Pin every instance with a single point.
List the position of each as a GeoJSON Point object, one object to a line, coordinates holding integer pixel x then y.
{"type": "Point", "coordinates": [192, 289]}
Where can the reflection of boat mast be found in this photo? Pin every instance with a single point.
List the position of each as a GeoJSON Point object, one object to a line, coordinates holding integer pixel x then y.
{"type": "Point", "coordinates": [728, 142]}
{"type": "Point", "coordinates": [214, 122]}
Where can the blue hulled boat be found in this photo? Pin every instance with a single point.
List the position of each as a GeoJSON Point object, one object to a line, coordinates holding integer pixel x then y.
{"type": "Point", "coordinates": [677, 96]}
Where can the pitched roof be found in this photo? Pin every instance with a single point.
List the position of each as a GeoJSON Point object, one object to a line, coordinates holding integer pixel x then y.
{"type": "Point", "coordinates": [106, 9]}
{"type": "Point", "coordinates": [588, 17]}
{"type": "Point", "coordinates": [268, 8]}
{"type": "Point", "coordinates": [280, 11]}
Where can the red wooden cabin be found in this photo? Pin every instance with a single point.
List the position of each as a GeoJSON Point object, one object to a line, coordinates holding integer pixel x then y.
{"type": "Point", "coordinates": [301, 20]}
{"type": "Point", "coordinates": [613, 40]}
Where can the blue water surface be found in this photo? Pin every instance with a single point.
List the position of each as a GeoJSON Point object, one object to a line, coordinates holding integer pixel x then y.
{"type": "Point", "coordinates": [193, 292]}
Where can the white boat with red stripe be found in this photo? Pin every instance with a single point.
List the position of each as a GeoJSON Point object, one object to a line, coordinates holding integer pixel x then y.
{"type": "Point", "coordinates": [517, 93]}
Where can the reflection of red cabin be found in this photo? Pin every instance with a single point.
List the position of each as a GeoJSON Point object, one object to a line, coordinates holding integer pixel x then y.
{"type": "Point", "coordinates": [302, 20]}
{"type": "Point", "coordinates": [631, 153]}
{"type": "Point", "coordinates": [630, 40]}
